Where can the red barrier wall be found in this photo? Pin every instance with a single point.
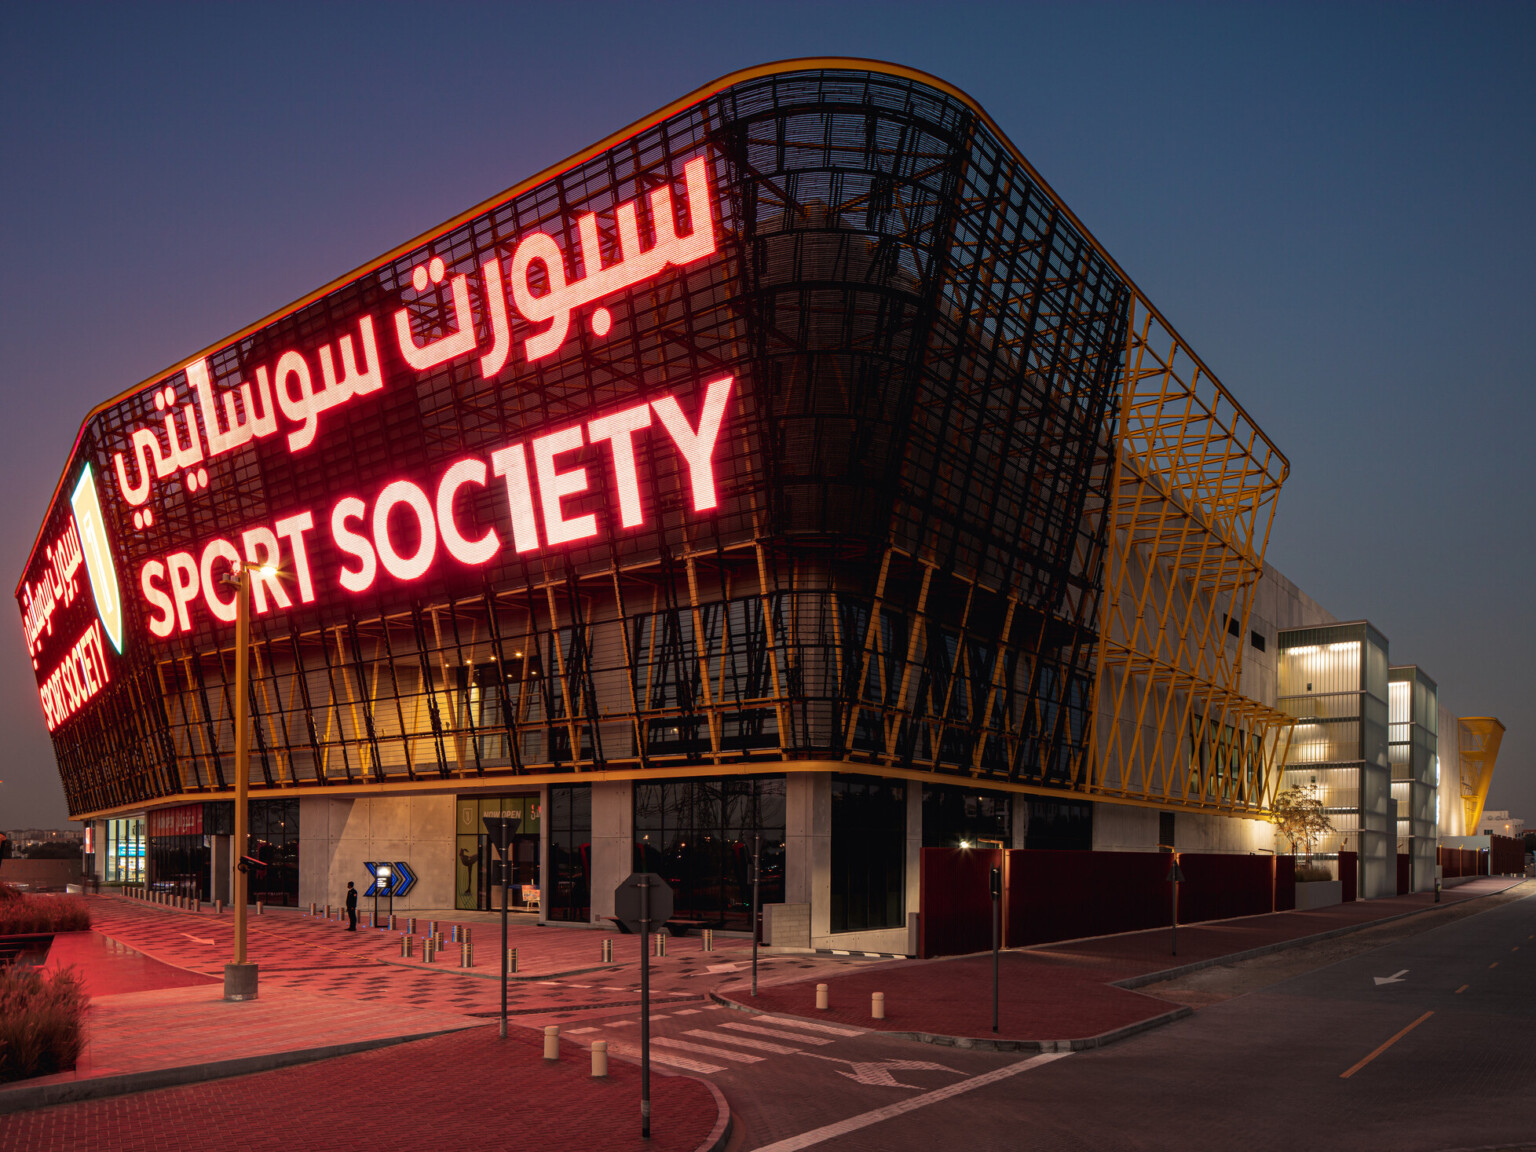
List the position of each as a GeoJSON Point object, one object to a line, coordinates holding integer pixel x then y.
{"type": "Point", "coordinates": [956, 898]}
{"type": "Point", "coordinates": [1507, 858]}
{"type": "Point", "coordinates": [1348, 863]}
{"type": "Point", "coordinates": [1220, 886]}
{"type": "Point", "coordinates": [1459, 862]}
{"type": "Point", "coordinates": [1285, 883]}
{"type": "Point", "coordinates": [1061, 895]}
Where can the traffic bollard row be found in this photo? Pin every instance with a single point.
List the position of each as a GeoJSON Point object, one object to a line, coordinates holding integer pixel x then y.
{"type": "Point", "coordinates": [466, 954]}
{"type": "Point", "coordinates": [405, 947]}
{"type": "Point", "coordinates": [511, 959]}
{"type": "Point", "coordinates": [608, 950]}
{"type": "Point", "coordinates": [661, 944]}
{"type": "Point", "coordinates": [599, 1059]}
{"type": "Point", "coordinates": [709, 939]}
{"type": "Point", "coordinates": [552, 1042]}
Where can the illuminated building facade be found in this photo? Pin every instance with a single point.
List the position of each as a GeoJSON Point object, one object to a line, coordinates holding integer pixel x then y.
{"type": "Point", "coordinates": [792, 465]}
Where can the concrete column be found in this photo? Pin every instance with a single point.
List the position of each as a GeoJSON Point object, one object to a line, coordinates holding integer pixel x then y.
{"type": "Point", "coordinates": [914, 846]}
{"type": "Point", "coordinates": [1020, 821]}
{"type": "Point", "coordinates": [613, 841]}
{"type": "Point", "coordinates": [808, 845]}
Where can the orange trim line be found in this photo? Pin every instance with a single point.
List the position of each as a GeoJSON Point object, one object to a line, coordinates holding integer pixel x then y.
{"type": "Point", "coordinates": [802, 64]}
{"type": "Point", "coordinates": [1384, 1047]}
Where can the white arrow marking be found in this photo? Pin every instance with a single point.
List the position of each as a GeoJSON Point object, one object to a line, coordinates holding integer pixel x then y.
{"type": "Point", "coordinates": [1397, 979]}
{"type": "Point", "coordinates": [196, 939]}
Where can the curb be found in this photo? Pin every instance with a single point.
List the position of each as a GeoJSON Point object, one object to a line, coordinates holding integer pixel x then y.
{"type": "Point", "coordinates": [721, 1133]}
{"type": "Point", "coordinates": [23, 1099]}
{"type": "Point", "coordinates": [986, 1044]}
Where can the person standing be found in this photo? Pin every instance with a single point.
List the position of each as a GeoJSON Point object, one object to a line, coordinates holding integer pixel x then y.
{"type": "Point", "coordinates": [352, 906]}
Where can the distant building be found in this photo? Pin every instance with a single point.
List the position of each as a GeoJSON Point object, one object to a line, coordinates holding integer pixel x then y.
{"type": "Point", "coordinates": [1501, 823]}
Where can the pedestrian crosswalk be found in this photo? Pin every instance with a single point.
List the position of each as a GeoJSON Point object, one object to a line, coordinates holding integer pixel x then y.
{"type": "Point", "coordinates": [719, 1044]}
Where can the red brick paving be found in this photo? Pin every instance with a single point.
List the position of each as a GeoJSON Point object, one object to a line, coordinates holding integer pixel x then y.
{"type": "Point", "coordinates": [1062, 992]}
{"type": "Point", "coordinates": [467, 1091]}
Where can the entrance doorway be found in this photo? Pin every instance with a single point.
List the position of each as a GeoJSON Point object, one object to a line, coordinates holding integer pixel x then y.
{"type": "Point", "coordinates": [473, 890]}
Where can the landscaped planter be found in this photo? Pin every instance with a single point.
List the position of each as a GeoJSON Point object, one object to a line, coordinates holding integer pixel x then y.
{"type": "Point", "coordinates": [1318, 893]}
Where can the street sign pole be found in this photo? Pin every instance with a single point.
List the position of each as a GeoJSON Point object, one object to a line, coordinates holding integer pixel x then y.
{"type": "Point", "coordinates": [645, 1006]}
{"type": "Point", "coordinates": [500, 829]}
{"type": "Point", "coordinates": [997, 932]}
{"type": "Point", "coordinates": [1175, 876]}
{"type": "Point", "coordinates": [757, 883]}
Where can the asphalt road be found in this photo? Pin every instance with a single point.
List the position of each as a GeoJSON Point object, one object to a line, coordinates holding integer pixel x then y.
{"type": "Point", "coordinates": [1442, 1055]}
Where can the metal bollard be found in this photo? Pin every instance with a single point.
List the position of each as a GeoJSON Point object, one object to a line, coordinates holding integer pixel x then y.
{"type": "Point", "coordinates": [327, 911]}
{"type": "Point", "coordinates": [552, 1042]}
{"type": "Point", "coordinates": [258, 907]}
{"type": "Point", "coordinates": [427, 951]}
{"type": "Point", "coordinates": [466, 954]}
{"type": "Point", "coordinates": [391, 921]}
{"type": "Point", "coordinates": [464, 934]}
{"type": "Point", "coordinates": [599, 1058]}
{"type": "Point", "coordinates": [511, 960]}
{"type": "Point", "coordinates": [709, 939]}
{"type": "Point", "coordinates": [405, 947]}
{"type": "Point", "coordinates": [877, 1005]}
{"type": "Point", "coordinates": [431, 927]}
{"type": "Point", "coordinates": [453, 933]}
{"type": "Point", "coordinates": [821, 997]}
{"type": "Point", "coordinates": [410, 925]}
{"type": "Point", "coordinates": [607, 949]}
{"type": "Point", "coordinates": [311, 909]}
{"type": "Point", "coordinates": [197, 905]}
{"type": "Point", "coordinates": [218, 907]}
{"type": "Point", "coordinates": [661, 944]}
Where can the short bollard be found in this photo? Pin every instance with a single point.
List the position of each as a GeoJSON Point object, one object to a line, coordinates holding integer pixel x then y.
{"type": "Point", "coordinates": [511, 960]}
{"type": "Point", "coordinates": [709, 939]}
{"type": "Point", "coordinates": [327, 911]}
{"type": "Point", "coordinates": [607, 949]}
{"type": "Point", "coordinates": [431, 927]}
{"type": "Point", "coordinates": [466, 954]}
{"type": "Point", "coordinates": [821, 997]}
{"type": "Point", "coordinates": [197, 905]}
{"type": "Point", "coordinates": [258, 907]}
{"type": "Point", "coordinates": [311, 909]}
{"type": "Point", "coordinates": [427, 951]}
{"type": "Point", "coordinates": [218, 907]}
{"type": "Point", "coordinates": [465, 935]}
{"type": "Point", "coordinates": [599, 1058]}
{"type": "Point", "coordinates": [552, 1042]}
{"type": "Point", "coordinates": [453, 933]}
{"type": "Point", "coordinates": [405, 947]}
{"type": "Point", "coordinates": [410, 925]}
{"type": "Point", "coordinates": [661, 944]}
{"type": "Point", "coordinates": [877, 1005]}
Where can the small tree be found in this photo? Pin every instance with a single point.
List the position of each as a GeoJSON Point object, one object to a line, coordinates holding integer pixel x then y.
{"type": "Point", "coordinates": [1300, 817]}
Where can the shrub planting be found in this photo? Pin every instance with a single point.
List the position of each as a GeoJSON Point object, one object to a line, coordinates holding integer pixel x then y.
{"type": "Point", "coordinates": [23, 914]}
{"type": "Point", "coordinates": [42, 1022]}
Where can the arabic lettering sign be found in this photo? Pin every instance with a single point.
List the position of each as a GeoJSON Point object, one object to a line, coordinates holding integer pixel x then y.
{"type": "Point", "coordinates": [249, 455]}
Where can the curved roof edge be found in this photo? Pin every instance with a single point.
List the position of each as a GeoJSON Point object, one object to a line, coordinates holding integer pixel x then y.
{"type": "Point", "coordinates": [797, 64]}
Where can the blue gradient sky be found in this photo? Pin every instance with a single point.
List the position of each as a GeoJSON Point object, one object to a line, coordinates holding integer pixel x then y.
{"type": "Point", "coordinates": [1332, 203]}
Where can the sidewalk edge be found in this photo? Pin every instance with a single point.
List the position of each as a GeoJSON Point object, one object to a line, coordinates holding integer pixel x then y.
{"type": "Point", "coordinates": [721, 1133]}
{"type": "Point", "coordinates": [987, 1044]}
{"type": "Point", "coordinates": [24, 1099]}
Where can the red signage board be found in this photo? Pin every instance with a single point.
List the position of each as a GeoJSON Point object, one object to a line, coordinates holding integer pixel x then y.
{"type": "Point", "coordinates": [185, 820]}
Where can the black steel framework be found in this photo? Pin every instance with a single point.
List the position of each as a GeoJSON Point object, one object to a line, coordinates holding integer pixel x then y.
{"type": "Point", "coordinates": [905, 567]}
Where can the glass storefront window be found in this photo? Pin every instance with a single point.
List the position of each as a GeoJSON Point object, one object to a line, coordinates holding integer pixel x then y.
{"type": "Point", "coordinates": [125, 850]}
{"type": "Point", "coordinates": [274, 840]}
{"type": "Point", "coordinates": [698, 836]}
{"type": "Point", "coordinates": [472, 851]}
{"type": "Point", "coordinates": [869, 853]}
{"type": "Point", "coordinates": [570, 852]}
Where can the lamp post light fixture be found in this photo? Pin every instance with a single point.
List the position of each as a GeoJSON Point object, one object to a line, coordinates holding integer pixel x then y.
{"type": "Point", "coordinates": [240, 976]}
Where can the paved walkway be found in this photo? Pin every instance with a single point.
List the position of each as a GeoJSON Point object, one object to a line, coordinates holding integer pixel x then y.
{"type": "Point", "coordinates": [466, 1091]}
{"type": "Point", "coordinates": [1065, 991]}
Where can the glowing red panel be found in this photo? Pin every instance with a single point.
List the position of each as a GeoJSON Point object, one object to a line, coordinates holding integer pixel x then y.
{"type": "Point", "coordinates": [353, 580]}
{"type": "Point", "coordinates": [183, 570]}
{"type": "Point", "coordinates": [697, 445]}
{"type": "Point", "coordinates": [149, 580]}
{"type": "Point", "coordinates": [471, 471]}
{"type": "Point", "coordinates": [404, 494]}
{"type": "Point", "coordinates": [555, 486]}
{"type": "Point", "coordinates": [512, 463]}
{"type": "Point", "coordinates": [261, 551]}
{"type": "Point", "coordinates": [292, 529]}
{"type": "Point", "coordinates": [225, 610]}
{"type": "Point", "coordinates": [619, 429]}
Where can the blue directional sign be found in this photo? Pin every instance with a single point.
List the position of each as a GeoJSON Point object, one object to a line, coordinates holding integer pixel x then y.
{"type": "Point", "coordinates": [405, 879]}
{"type": "Point", "coordinates": [400, 881]}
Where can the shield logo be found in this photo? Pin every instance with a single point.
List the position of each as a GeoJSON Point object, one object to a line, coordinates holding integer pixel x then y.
{"type": "Point", "coordinates": [98, 557]}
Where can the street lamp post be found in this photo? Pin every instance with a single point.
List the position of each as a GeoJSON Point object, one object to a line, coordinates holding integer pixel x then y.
{"type": "Point", "coordinates": [240, 976]}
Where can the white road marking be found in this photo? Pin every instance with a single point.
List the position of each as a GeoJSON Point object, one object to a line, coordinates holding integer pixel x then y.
{"type": "Point", "coordinates": [878, 1072]}
{"type": "Point", "coordinates": [1396, 978]}
{"type": "Point", "coordinates": [830, 1029]}
{"type": "Point", "coordinates": [760, 1045]}
{"type": "Point", "coordinates": [196, 939]}
{"type": "Point", "coordinates": [633, 1052]}
{"type": "Point", "coordinates": [706, 1050]}
{"type": "Point", "coordinates": [865, 1119]}
{"type": "Point", "coordinates": [774, 1033]}
{"type": "Point", "coordinates": [686, 1012]}
{"type": "Point", "coordinates": [580, 1031]}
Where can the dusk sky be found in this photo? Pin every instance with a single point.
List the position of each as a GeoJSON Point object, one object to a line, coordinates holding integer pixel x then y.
{"type": "Point", "coordinates": [1333, 204]}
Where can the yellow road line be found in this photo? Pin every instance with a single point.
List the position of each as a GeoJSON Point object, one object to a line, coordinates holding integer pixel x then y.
{"type": "Point", "coordinates": [1462, 989]}
{"type": "Point", "coordinates": [1495, 964]}
{"type": "Point", "coordinates": [1384, 1047]}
